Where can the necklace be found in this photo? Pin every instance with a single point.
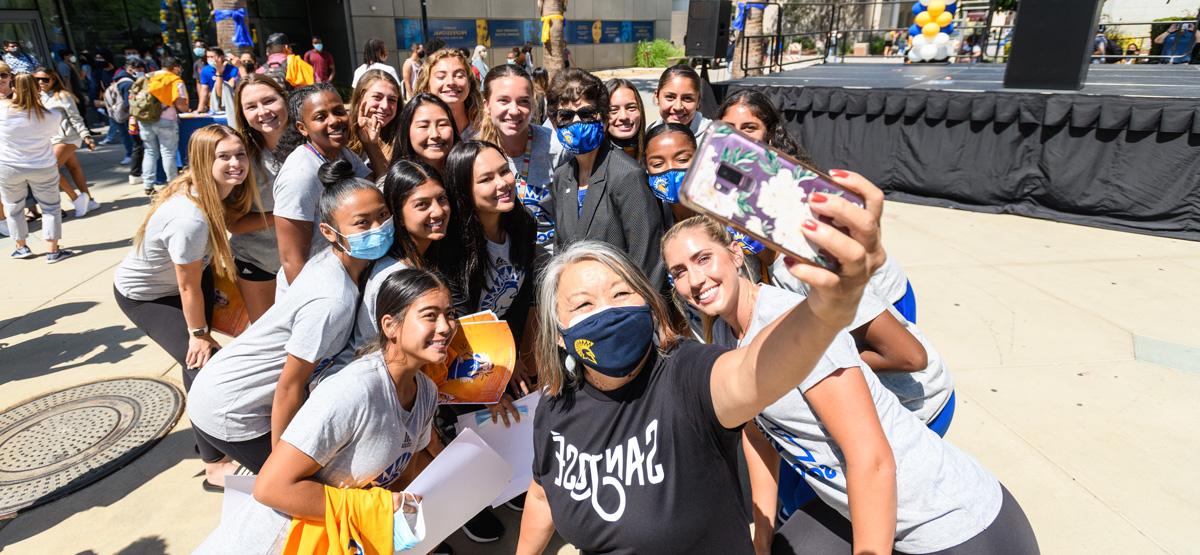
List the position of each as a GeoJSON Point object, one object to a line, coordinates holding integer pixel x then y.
{"type": "Point", "coordinates": [523, 171]}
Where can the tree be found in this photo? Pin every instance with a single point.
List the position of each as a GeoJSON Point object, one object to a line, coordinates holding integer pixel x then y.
{"type": "Point", "coordinates": [225, 27]}
{"type": "Point", "coordinates": [556, 46]}
{"type": "Point", "coordinates": [754, 30]}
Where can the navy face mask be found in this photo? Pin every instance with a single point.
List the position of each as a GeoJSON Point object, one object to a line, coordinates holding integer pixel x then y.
{"type": "Point", "coordinates": [611, 340]}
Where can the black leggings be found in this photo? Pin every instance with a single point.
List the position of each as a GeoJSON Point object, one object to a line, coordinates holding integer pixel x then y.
{"type": "Point", "coordinates": [817, 528]}
{"type": "Point", "coordinates": [162, 320]}
{"type": "Point", "coordinates": [251, 453]}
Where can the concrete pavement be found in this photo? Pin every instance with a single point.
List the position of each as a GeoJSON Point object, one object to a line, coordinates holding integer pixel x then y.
{"type": "Point", "coordinates": [1073, 350]}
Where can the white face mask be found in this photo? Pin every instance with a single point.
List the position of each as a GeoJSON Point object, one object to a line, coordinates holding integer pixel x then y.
{"type": "Point", "coordinates": [71, 59]}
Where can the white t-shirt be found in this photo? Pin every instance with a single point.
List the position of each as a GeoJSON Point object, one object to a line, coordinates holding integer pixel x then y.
{"type": "Point", "coordinates": [924, 392]}
{"type": "Point", "coordinates": [354, 427]}
{"type": "Point", "coordinates": [177, 233]}
{"type": "Point", "coordinates": [501, 281]}
{"type": "Point", "coordinates": [231, 398]}
{"type": "Point", "coordinates": [535, 181]}
{"type": "Point", "coordinates": [944, 496]}
{"type": "Point", "coordinates": [362, 69]}
{"type": "Point", "coordinates": [26, 139]}
{"type": "Point", "coordinates": [297, 194]}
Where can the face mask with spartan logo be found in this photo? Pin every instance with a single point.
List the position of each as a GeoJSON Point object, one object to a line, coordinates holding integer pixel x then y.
{"type": "Point", "coordinates": [611, 340]}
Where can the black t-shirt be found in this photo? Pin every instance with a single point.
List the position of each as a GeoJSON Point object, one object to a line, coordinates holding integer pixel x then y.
{"type": "Point", "coordinates": [646, 468]}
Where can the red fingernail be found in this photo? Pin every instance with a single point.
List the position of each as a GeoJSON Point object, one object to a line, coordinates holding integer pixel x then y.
{"type": "Point", "coordinates": [810, 225]}
{"type": "Point", "coordinates": [839, 173]}
{"type": "Point", "coordinates": [817, 197]}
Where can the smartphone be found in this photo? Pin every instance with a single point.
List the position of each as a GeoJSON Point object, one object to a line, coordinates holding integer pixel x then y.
{"type": "Point", "coordinates": [759, 191]}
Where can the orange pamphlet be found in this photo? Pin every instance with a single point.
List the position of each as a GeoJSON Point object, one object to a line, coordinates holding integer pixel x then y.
{"type": "Point", "coordinates": [479, 362]}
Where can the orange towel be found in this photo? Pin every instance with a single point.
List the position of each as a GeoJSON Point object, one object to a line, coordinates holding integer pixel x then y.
{"type": "Point", "coordinates": [299, 73]}
{"type": "Point", "coordinates": [353, 518]}
{"type": "Point", "coordinates": [164, 85]}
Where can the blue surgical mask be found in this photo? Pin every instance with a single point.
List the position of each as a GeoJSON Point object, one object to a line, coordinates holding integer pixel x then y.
{"type": "Point", "coordinates": [581, 137]}
{"type": "Point", "coordinates": [211, 64]}
{"type": "Point", "coordinates": [139, 74]}
{"type": "Point", "coordinates": [198, 52]}
{"type": "Point", "coordinates": [611, 340]}
{"type": "Point", "coordinates": [407, 529]}
{"type": "Point", "coordinates": [371, 244]}
{"type": "Point", "coordinates": [665, 185]}
{"type": "Point", "coordinates": [318, 46]}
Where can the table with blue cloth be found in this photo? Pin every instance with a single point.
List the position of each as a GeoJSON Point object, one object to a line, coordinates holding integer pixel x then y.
{"type": "Point", "coordinates": [189, 123]}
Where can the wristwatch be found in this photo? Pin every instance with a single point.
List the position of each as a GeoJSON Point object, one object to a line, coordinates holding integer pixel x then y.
{"type": "Point", "coordinates": [199, 332]}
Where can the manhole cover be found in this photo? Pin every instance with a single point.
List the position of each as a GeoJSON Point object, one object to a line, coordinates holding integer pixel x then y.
{"type": "Point", "coordinates": [58, 443]}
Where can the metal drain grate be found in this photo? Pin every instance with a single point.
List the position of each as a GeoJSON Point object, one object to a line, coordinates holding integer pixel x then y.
{"type": "Point", "coordinates": [63, 441]}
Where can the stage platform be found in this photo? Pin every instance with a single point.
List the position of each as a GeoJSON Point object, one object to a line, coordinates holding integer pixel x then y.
{"type": "Point", "coordinates": [1122, 153]}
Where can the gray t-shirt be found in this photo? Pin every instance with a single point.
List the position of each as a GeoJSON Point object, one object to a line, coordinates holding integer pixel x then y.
{"type": "Point", "coordinates": [297, 190]}
{"type": "Point", "coordinates": [889, 282]}
{"type": "Point", "coordinates": [944, 497]}
{"type": "Point", "coordinates": [354, 427]}
{"type": "Point", "coordinates": [231, 398]}
{"type": "Point", "coordinates": [177, 233]}
{"type": "Point", "coordinates": [365, 328]}
{"type": "Point", "coordinates": [260, 247]}
{"type": "Point", "coordinates": [924, 392]}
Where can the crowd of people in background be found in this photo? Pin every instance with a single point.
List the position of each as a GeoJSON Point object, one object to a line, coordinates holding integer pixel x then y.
{"type": "Point", "coordinates": [359, 229]}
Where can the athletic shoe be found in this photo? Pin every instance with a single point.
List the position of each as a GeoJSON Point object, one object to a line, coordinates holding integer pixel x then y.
{"type": "Point", "coordinates": [135, 180]}
{"type": "Point", "coordinates": [483, 527]}
{"type": "Point", "coordinates": [59, 255]}
{"type": "Point", "coordinates": [82, 204]}
{"type": "Point", "coordinates": [126, 160]}
{"type": "Point", "coordinates": [148, 189]}
{"type": "Point", "coordinates": [517, 503]}
{"type": "Point", "coordinates": [104, 142]}
{"type": "Point", "coordinates": [4, 228]}
{"type": "Point", "coordinates": [93, 205]}
{"type": "Point", "coordinates": [22, 253]}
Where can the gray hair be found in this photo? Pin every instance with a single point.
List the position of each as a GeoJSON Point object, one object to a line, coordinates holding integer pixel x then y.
{"type": "Point", "coordinates": [553, 375]}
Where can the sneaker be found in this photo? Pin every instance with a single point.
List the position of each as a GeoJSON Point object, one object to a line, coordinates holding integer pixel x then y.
{"type": "Point", "coordinates": [135, 180]}
{"type": "Point", "coordinates": [517, 503]}
{"type": "Point", "coordinates": [126, 160]}
{"type": "Point", "coordinates": [484, 527]}
{"type": "Point", "coordinates": [148, 189]}
{"type": "Point", "coordinates": [22, 253]}
{"type": "Point", "coordinates": [59, 255]}
{"type": "Point", "coordinates": [82, 204]}
{"type": "Point", "coordinates": [93, 205]}
{"type": "Point", "coordinates": [4, 228]}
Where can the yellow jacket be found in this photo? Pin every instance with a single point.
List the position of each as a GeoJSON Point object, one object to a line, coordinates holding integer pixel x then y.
{"type": "Point", "coordinates": [353, 518]}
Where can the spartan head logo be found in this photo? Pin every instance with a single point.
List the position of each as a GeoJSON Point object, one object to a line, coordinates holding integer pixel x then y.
{"type": "Point", "coordinates": [583, 348]}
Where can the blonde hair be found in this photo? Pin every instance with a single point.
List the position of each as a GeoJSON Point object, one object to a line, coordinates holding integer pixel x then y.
{"type": "Point", "coordinates": [474, 101]}
{"type": "Point", "coordinates": [552, 374]}
{"type": "Point", "coordinates": [388, 133]}
{"type": "Point", "coordinates": [715, 231]}
{"type": "Point", "coordinates": [197, 185]}
{"type": "Point", "coordinates": [26, 97]}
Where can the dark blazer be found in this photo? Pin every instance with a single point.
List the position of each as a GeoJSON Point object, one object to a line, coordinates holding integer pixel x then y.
{"type": "Point", "coordinates": [619, 209]}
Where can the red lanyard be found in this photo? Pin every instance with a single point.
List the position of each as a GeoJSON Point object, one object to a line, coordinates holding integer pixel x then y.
{"type": "Point", "coordinates": [523, 172]}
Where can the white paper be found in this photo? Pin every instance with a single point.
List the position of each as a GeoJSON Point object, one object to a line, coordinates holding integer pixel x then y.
{"type": "Point", "coordinates": [456, 485]}
{"type": "Point", "coordinates": [239, 490]}
{"type": "Point", "coordinates": [514, 443]}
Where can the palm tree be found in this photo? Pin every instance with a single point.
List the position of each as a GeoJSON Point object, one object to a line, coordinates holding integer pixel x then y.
{"type": "Point", "coordinates": [557, 44]}
{"type": "Point", "coordinates": [225, 27]}
{"type": "Point", "coordinates": [754, 28]}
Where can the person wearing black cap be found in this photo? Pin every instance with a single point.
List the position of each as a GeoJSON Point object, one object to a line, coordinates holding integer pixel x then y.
{"type": "Point", "coordinates": [285, 67]}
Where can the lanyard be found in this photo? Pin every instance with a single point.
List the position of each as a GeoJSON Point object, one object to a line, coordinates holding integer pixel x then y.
{"type": "Point", "coordinates": [316, 153]}
{"type": "Point", "coordinates": [523, 171]}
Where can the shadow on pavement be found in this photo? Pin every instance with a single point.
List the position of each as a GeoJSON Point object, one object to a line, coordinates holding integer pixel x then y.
{"type": "Point", "coordinates": [55, 352]}
{"type": "Point", "coordinates": [42, 318]}
{"type": "Point", "coordinates": [108, 490]}
{"type": "Point", "coordinates": [148, 545]}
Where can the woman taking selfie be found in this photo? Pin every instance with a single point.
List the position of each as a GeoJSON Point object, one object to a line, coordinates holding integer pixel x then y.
{"type": "Point", "coordinates": [426, 132]}
{"type": "Point", "coordinates": [531, 149]}
{"type": "Point", "coordinates": [252, 388]}
{"type": "Point", "coordinates": [165, 284]}
{"type": "Point", "coordinates": [261, 117]}
{"type": "Point", "coordinates": [674, 406]}
{"type": "Point", "coordinates": [601, 193]}
{"type": "Point", "coordinates": [876, 467]}
{"type": "Point", "coordinates": [361, 428]}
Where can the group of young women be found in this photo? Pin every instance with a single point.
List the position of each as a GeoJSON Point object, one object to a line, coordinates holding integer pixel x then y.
{"type": "Point", "coordinates": [358, 234]}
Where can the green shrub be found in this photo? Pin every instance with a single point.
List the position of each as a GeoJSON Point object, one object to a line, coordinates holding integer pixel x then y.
{"type": "Point", "coordinates": [875, 45]}
{"type": "Point", "coordinates": [659, 53]}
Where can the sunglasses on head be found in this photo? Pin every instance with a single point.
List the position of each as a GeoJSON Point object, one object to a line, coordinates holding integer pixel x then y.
{"type": "Point", "coordinates": [587, 114]}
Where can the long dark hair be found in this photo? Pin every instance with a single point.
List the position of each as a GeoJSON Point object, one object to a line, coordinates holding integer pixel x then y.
{"type": "Point", "coordinates": [615, 84]}
{"type": "Point", "coordinates": [398, 184]}
{"type": "Point", "coordinates": [680, 70]}
{"type": "Point", "coordinates": [396, 294]}
{"type": "Point", "coordinates": [517, 224]}
{"type": "Point", "coordinates": [292, 138]}
{"type": "Point", "coordinates": [374, 51]}
{"type": "Point", "coordinates": [762, 108]}
{"type": "Point", "coordinates": [402, 148]}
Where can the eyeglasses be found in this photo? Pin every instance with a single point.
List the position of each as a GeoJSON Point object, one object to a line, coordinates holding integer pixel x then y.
{"type": "Point", "coordinates": [42, 79]}
{"type": "Point", "coordinates": [5, 75]}
{"type": "Point", "coordinates": [587, 114]}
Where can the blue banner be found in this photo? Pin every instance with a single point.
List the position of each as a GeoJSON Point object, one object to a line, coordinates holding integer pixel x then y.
{"type": "Point", "coordinates": [513, 32]}
{"type": "Point", "coordinates": [408, 33]}
{"type": "Point", "coordinates": [610, 32]}
{"type": "Point", "coordinates": [643, 31]}
{"type": "Point", "coordinates": [582, 32]}
{"type": "Point", "coordinates": [506, 33]}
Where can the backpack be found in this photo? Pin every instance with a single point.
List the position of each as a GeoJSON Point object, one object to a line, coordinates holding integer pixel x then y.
{"type": "Point", "coordinates": [116, 106]}
{"type": "Point", "coordinates": [142, 105]}
{"type": "Point", "coordinates": [278, 71]}
{"type": "Point", "coordinates": [1112, 52]}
